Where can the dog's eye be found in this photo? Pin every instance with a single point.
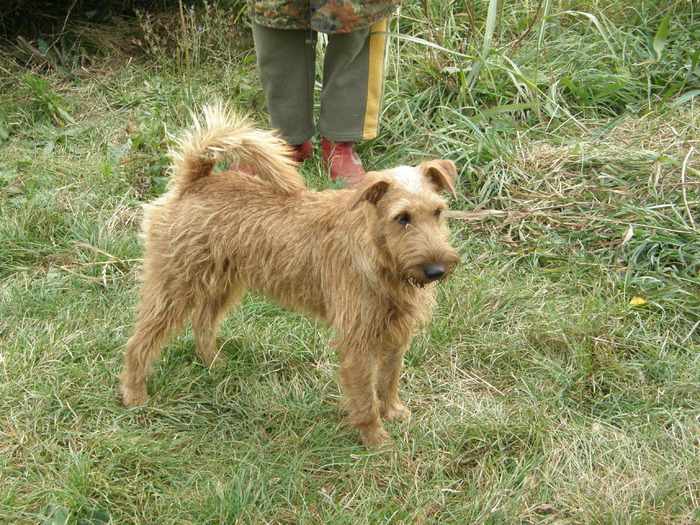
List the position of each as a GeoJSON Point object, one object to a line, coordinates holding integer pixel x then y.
{"type": "Point", "coordinates": [404, 219]}
{"type": "Point", "coordinates": [438, 213]}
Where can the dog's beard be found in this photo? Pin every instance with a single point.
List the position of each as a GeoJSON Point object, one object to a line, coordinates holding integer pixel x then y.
{"type": "Point", "coordinates": [420, 283]}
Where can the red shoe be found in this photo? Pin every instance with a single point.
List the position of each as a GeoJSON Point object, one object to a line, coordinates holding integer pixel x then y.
{"type": "Point", "coordinates": [302, 151]}
{"type": "Point", "coordinates": [341, 161]}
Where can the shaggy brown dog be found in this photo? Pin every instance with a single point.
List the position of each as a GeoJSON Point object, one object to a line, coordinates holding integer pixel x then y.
{"type": "Point", "coordinates": [361, 260]}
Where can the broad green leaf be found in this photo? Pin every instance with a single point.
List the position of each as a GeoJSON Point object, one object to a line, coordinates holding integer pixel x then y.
{"type": "Point", "coordinates": [661, 36]}
{"type": "Point", "coordinates": [685, 97]}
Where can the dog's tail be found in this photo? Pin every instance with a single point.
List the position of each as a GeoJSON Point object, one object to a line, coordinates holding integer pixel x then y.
{"type": "Point", "coordinates": [225, 134]}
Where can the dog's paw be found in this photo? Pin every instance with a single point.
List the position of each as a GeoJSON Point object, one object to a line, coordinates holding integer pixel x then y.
{"type": "Point", "coordinates": [132, 397]}
{"type": "Point", "coordinates": [375, 437]}
{"type": "Point", "coordinates": [214, 361]}
{"type": "Point", "coordinates": [396, 412]}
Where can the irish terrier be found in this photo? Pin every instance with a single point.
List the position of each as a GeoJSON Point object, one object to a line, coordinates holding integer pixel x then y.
{"type": "Point", "coordinates": [363, 260]}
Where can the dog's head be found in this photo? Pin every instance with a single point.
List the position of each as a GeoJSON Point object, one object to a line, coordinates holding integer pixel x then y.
{"type": "Point", "coordinates": [409, 226]}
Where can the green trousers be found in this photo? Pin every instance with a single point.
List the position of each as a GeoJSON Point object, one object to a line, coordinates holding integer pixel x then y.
{"type": "Point", "coordinates": [351, 92]}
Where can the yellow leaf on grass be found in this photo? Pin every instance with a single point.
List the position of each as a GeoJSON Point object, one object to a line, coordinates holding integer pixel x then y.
{"type": "Point", "coordinates": [637, 301]}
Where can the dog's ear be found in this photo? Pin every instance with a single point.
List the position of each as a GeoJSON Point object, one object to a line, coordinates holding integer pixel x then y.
{"type": "Point", "coordinates": [441, 173]}
{"type": "Point", "coordinates": [371, 190]}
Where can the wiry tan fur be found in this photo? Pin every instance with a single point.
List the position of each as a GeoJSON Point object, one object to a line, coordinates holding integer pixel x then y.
{"type": "Point", "coordinates": [361, 260]}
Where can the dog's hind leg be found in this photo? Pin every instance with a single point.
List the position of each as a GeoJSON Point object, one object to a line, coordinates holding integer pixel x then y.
{"type": "Point", "coordinates": [206, 317]}
{"type": "Point", "coordinates": [160, 314]}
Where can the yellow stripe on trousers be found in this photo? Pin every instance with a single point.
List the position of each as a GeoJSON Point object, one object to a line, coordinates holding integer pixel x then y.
{"type": "Point", "coordinates": [375, 79]}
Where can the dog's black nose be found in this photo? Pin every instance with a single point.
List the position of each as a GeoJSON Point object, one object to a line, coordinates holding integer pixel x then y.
{"type": "Point", "coordinates": [434, 271]}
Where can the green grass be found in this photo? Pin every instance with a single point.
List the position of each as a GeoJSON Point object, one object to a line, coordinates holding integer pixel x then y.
{"type": "Point", "coordinates": [540, 393]}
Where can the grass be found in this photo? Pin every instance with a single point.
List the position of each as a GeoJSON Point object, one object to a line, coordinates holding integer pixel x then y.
{"type": "Point", "coordinates": [559, 380]}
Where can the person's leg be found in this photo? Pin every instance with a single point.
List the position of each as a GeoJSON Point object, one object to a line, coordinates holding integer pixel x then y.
{"type": "Point", "coordinates": [353, 81]}
{"type": "Point", "coordinates": [287, 67]}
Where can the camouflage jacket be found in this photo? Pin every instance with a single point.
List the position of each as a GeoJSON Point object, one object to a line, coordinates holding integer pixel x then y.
{"type": "Point", "coordinates": [324, 16]}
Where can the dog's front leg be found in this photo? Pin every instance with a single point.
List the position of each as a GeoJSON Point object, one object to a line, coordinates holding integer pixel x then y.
{"type": "Point", "coordinates": [358, 378]}
{"type": "Point", "coordinates": [389, 365]}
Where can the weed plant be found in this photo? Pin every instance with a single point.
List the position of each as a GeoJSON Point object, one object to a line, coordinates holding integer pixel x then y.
{"type": "Point", "coordinates": [559, 380]}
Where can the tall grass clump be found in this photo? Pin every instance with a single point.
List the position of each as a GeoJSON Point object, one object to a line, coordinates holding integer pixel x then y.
{"type": "Point", "coordinates": [558, 380]}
